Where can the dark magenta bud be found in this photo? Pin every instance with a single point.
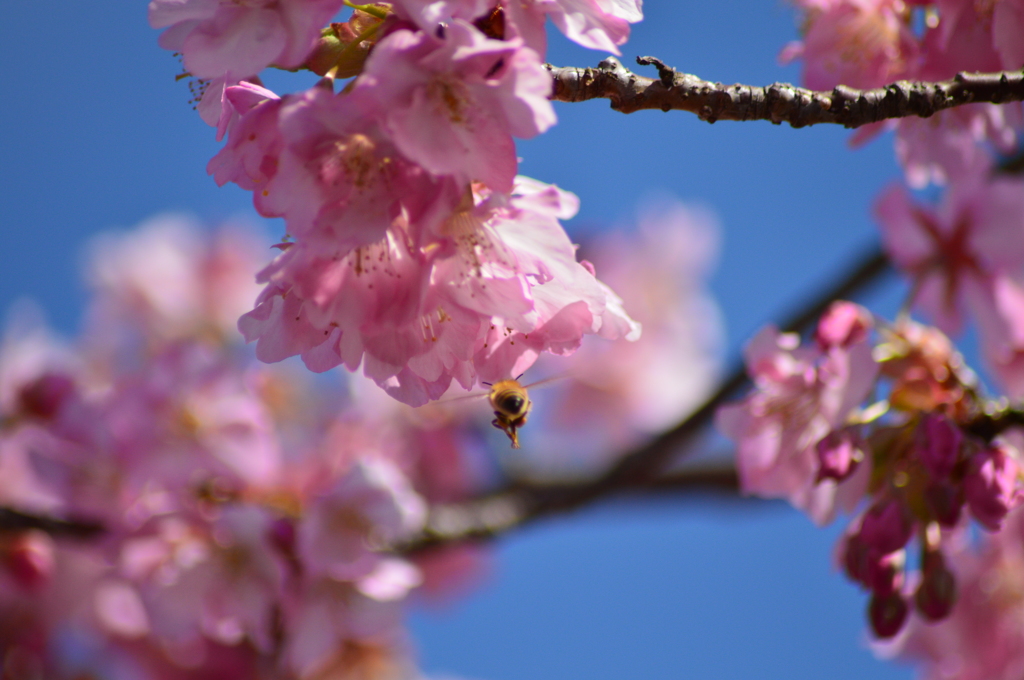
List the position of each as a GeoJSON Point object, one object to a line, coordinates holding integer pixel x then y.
{"type": "Point", "coordinates": [839, 453]}
{"type": "Point", "coordinates": [887, 614]}
{"type": "Point", "coordinates": [44, 396]}
{"type": "Point", "coordinates": [945, 501]}
{"type": "Point", "coordinates": [281, 534]}
{"type": "Point", "coordinates": [936, 594]}
{"type": "Point", "coordinates": [938, 444]}
{"type": "Point", "coordinates": [886, 526]}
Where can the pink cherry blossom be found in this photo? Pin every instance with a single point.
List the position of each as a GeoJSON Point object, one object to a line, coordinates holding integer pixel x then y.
{"type": "Point", "coordinates": [240, 39]}
{"type": "Point", "coordinates": [954, 144]}
{"type": "Point", "coordinates": [372, 503]}
{"type": "Point", "coordinates": [597, 24]}
{"type": "Point", "coordinates": [191, 416]}
{"type": "Point", "coordinates": [993, 484]}
{"type": "Point", "coordinates": [858, 43]}
{"type": "Point", "coordinates": [965, 255]}
{"type": "Point", "coordinates": [491, 288]}
{"type": "Point", "coordinates": [218, 580]}
{"type": "Point", "coordinates": [339, 180]}
{"type": "Point", "coordinates": [452, 105]}
{"type": "Point", "coordinates": [250, 157]}
{"type": "Point", "coordinates": [962, 41]}
{"type": "Point", "coordinates": [839, 454]}
{"type": "Point", "coordinates": [1007, 27]}
{"type": "Point", "coordinates": [167, 280]}
{"type": "Point", "coordinates": [801, 395]}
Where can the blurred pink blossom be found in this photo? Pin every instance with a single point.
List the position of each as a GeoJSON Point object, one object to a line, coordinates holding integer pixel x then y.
{"type": "Point", "coordinates": [801, 395]}
{"type": "Point", "coordinates": [965, 255]}
{"type": "Point", "coordinates": [857, 43]}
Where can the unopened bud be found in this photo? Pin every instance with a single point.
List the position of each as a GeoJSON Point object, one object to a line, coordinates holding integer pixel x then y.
{"type": "Point", "coordinates": [936, 593]}
{"type": "Point", "coordinates": [844, 324]}
{"type": "Point", "coordinates": [44, 396]}
{"type": "Point", "coordinates": [880, 573]}
{"type": "Point", "coordinates": [938, 444]}
{"type": "Point", "coordinates": [886, 527]}
{"type": "Point", "coordinates": [839, 453]}
{"type": "Point", "coordinates": [887, 614]}
{"type": "Point", "coordinates": [991, 485]}
{"type": "Point", "coordinates": [945, 501]}
{"type": "Point", "coordinates": [29, 559]}
{"type": "Point", "coordinates": [345, 46]}
{"type": "Point", "coordinates": [281, 534]}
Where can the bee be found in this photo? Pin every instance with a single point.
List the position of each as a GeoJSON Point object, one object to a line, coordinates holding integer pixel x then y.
{"type": "Point", "coordinates": [511, 404]}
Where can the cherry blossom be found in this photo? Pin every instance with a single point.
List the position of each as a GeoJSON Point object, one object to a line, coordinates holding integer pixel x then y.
{"type": "Point", "coordinates": [858, 43]}
{"type": "Point", "coordinates": [218, 38]}
{"type": "Point", "coordinates": [802, 394]}
{"type": "Point", "coordinates": [453, 105]}
{"type": "Point", "coordinates": [964, 255]}
{"type": "Point", "coordinates": [493, 287]}
{"type": "Point", "coordinates": [597, 24]}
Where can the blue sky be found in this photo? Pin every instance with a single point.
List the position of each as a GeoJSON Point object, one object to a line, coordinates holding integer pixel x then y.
{"type": "Point", "coordinates": [97, 135]}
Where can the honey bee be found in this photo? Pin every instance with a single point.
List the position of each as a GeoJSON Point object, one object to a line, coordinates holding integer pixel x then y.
{"type": "Point", "coordinates": [511, 404]}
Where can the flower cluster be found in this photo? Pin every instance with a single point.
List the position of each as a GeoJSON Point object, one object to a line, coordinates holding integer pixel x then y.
{"type": "Point", "coordinates": [982, 638]}
{"type": "Point", "coordinates": [412, 246]}
{"type": "Point", "coordinates": [244, 523]}
{"type": "Point", "coordinates": [964, 254]}
{"type": "Point", "coordinates": [248, 515]}
{"type": "Point", "coordinates": [916, 463]}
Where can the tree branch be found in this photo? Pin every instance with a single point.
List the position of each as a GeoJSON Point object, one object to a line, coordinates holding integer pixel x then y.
{"type": "Point", "coordinates": [12, 521]}
{"type": "Point", "coordinates": [778, 102]}
{"type": "Point", "coordinates": [519, 503]}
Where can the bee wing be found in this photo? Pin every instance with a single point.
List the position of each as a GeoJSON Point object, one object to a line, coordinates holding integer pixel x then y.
{"type": "Point", "coordinates": [549, 379]}
{"type": "Point", "coordinates": [465, 397]}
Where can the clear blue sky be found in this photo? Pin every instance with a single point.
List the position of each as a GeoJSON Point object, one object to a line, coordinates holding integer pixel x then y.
{"type": "Point", "coordinates": [95, 134]}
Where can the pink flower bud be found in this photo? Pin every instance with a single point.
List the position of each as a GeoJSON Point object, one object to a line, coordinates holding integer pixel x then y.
{"type": "Point", "coordinates": [844, 324]}
{"type": "Point", "coordinates": [886, 527]}
{"type": "Point", "coordinates": [839, 453]}
{"type": "Point", "coordinates": [44, 397]}
{"type": "Point", "coordinates": [938, 444]}
{"type": "Point", "coordinates": [945, 500]}
{"type": "Point", "coordinates": [281, 534]}
{"type": "Point", "coordinates": [936, 593]}
{"type": "Point", "coordinates": [29, 559]}
{"type": "Point", "coordinates": [878, 572]}
{"type": "Point", "coordinates": [856, 559]}
{"type": "Point", "coordinates": [887, 614]}
{"type": "Point", "coordinates": [991, 486]}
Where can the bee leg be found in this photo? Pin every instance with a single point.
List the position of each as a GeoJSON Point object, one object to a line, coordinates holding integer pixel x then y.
{"type": "Point", "coordinates": [508, 428]}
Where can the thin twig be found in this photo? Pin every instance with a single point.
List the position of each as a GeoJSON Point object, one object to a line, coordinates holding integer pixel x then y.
{"type": "Point", "coordinates": [520, 503]}
{"type": "Point", "coordinates": [778, 102]}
